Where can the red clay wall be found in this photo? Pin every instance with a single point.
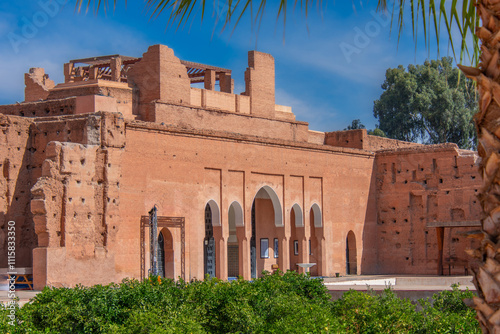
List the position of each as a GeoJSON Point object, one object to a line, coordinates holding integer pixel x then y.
{"type": "Point", "coordinates": [75, 198]}
{"type": "Point", "coordinates": [213, 120]}
{"type": "Point", "coordinates": [361, 139]}
{"type": "Point", "coordinates": [61, 107]}
{"type": "Point", "coordinates": [15, 184]}
{"type": "Point", "coordinates": [180, 171]}
{"type": "Point", "coordinates": [438, 183]}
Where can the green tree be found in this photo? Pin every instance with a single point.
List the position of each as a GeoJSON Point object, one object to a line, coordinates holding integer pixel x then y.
{"type": "Point", "coordinates": [355, 125]}
{"type": "Point", "coordinates": [431, 14]}
{"type": "Point", "coordinates": [377, 132]}
{"type": "Point", "coordinates": [429, 103]}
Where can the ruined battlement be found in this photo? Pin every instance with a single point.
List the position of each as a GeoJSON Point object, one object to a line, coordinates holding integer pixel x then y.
{"type": "Point", "coordinates": [159, 87]}
{"type": "Point", "coordinates": [360, 138]}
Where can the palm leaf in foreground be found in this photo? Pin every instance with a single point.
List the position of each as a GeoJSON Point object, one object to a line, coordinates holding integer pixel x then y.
{"type": "Point", "coordinates": [486, 266]}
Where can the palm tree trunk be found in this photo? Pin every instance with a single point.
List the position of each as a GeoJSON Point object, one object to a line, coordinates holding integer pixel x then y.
{"type": "Point", "coordinates": [486, 259]}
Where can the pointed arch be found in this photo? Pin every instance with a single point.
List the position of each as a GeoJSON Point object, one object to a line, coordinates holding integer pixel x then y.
{"type": "Point", "coordinates": [318, 221]}
{"type": "Point", "coordinates": [236, 213]}
{"type": "Point", "coordinates": [268, 192]}
{"type": "Point", "coordinates": [215, 212]}
{"type": "Point", "coordinates": [299, 217]}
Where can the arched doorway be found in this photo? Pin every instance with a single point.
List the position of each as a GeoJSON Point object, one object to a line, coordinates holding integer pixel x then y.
{"type": "Point", "coordinates": [297, 232]}
{"type": "Point", "coordinates": [315, 252]}
{"type": "Point", "coordinates": [253, 246]}
{"type": "Point", "coordinates": [350, 254]}
{"type": "Point", "coordinates": [235, 219]}
{"type": "Point", "coordinates": [209, 243]}
{"type": "Point", "coordinates": [166, 254]}
{"type": "Point", "coordinates": [161, 256]}
{"type": "Point", "coordinates": [267, 230]}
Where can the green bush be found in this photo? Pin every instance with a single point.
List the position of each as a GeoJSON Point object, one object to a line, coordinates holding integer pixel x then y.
{"type": "Point", "coordinates": [274, 303]}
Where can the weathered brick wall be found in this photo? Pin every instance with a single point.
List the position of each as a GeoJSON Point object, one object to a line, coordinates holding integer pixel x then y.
{"type": "Point", "coordinates": [375, 143]}
{"type": "Point", "coordinates": [260, 84]}
{"type": "Point", "coordinates": [61, 107]}
{"type": "Point", "coordinates": [417, 186]}
{"type": "Point", "coordinates": [15, 184]}
{"type": "Point", "coordinates": [159, 75]}
{"type": "Point", "coordinates": [213, 120]}
{"type": "Point", "coordinates": [361, 139]}
{"type": "Point", "coordinates": [75, 202]}
{"type": "Point", "coordinates": [37, 84]}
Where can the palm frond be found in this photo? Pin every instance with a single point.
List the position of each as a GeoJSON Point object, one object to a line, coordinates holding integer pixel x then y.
{"type": "Point", "coordinates": [460, 22]}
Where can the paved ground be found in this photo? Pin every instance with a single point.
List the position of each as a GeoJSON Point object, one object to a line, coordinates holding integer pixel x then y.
{"type": "Point", "coordinates": [23, 295]}
{"type": "Point", "coordinates": [413, 287]}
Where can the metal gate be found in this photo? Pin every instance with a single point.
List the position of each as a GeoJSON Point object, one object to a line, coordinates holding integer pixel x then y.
{"type": "Point", "coordinates": [170, 222]}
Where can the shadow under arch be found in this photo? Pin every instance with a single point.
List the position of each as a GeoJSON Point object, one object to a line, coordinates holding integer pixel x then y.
{"type": "Point", "coordinates": [212, 219]}
{"type": "Point", "coordinates": [297, 231]}
{"type": "Point", "coordinates": [267, 232]}
{"type": "Point", "coordinates": [316, 240]}
{"type": "Point", "coordinates": [166, 259]}
{"type": "Point", "coordinates": [318, 219]}
{"type": "Point", "coordinates": [351, 254]}
{"type": "Point", "coordinates": [235, 223]}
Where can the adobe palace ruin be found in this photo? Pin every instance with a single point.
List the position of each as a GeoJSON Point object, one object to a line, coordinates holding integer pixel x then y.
{"type": "Point", "coordinates": [239, 184]}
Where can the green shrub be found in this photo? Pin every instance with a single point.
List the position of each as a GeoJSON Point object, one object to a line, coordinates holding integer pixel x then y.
{"type": "Point", "coordinates": [275, 303]}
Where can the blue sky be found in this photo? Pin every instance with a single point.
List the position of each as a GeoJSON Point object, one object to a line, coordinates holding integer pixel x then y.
{"type": "Point", "coordinates": [329, 67]}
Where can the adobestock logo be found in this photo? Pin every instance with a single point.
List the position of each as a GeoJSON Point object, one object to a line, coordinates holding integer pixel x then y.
{"type": "Point", "coordinates": [363, 37]}
{"type": "Point", "coordinates": [30, 26]}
